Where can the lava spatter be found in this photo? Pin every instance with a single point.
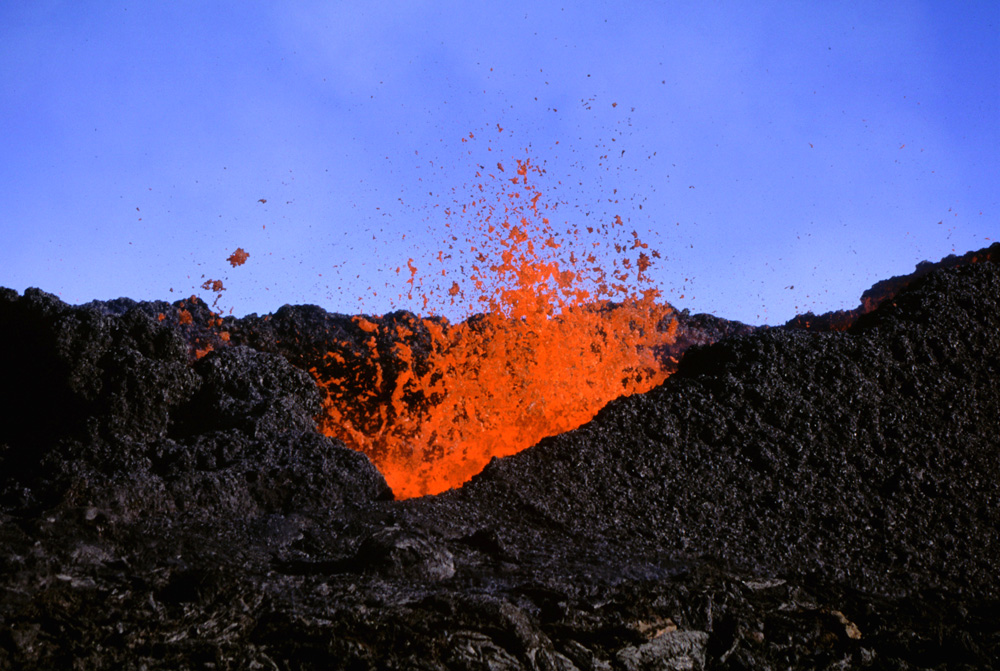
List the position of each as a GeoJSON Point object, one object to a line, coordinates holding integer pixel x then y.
{"type": "Point", "coordinates": [554, 337]}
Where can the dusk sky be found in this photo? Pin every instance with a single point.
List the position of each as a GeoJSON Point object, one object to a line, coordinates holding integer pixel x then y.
{"type": "Point", "coordinates": [785, 155]}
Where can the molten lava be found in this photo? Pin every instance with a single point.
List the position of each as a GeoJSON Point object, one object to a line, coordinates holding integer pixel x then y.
{"type": "Point", "coordinates": [556, 338]}
{"type": "Point", "coordinates": [238, 258]}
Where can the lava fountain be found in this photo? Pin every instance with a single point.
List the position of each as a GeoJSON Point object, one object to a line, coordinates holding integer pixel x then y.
{"type": "Point", "coordinates": [558, 332]}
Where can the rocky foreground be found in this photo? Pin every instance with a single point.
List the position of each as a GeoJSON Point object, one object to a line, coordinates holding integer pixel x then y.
{"type": "Point", "coordinates": [789, 498]}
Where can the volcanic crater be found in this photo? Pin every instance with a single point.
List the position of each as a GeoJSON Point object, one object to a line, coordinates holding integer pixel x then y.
{"type": "Point", "coordinates": [818, 495]}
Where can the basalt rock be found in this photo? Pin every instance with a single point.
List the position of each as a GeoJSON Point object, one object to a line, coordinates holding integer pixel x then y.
{"type": "Point", "coordinates": [107, 411]}
{"type": "Point", "coordinates": [886, 290]}
{"type": "Point", "coordinates": [868, 457]}
{"type": "Point", "coordinates": [789, 498]}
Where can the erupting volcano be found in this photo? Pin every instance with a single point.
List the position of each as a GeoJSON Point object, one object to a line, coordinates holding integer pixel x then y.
{"type": "Point", "coordinates": [297, 372]}
{"type": "Point", "coordinates": [800, 496]}
{"type": "Point", "coordinates": [556, 337]}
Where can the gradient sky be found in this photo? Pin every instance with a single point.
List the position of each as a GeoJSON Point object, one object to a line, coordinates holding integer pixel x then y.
{"type": "Point", "coordinates": [829, 145]}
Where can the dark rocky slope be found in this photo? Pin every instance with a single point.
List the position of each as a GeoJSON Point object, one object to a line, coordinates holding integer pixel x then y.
{"type": "Point", "coordinates": [884, 290]}
{"type": "Point", "coordinates": [788, 499]}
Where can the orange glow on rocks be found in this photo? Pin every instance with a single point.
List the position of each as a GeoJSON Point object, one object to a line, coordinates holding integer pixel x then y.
{"type": "Point", "coordinates": [554, 338]}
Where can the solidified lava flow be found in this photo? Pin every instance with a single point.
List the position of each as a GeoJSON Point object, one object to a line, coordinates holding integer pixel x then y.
{"type": "Point", "coordinates": [557, 334]}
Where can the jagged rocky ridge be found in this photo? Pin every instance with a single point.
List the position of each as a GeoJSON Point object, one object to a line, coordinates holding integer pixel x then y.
{"type": "Point", "coordinates": [788, 498]}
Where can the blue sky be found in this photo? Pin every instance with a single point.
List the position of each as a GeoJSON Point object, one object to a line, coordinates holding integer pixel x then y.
{"type": "Point", "coordinates": [829, 145]}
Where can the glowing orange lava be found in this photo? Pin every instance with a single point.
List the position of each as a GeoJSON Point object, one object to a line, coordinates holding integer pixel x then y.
{"type": "Point", "coordinates": [556, 338]}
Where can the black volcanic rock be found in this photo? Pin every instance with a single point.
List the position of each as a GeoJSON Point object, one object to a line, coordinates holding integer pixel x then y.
{"type": "Point", "coordinates": [870, 457]}
{"type": "Point", "coordinates": [242, 388]}
{"type": "Point", "coordinates": [787, 499]}
{"type": "Point", "coordinates": [107, 410]}
{"type": "Point", "coordinates": [885, 290]}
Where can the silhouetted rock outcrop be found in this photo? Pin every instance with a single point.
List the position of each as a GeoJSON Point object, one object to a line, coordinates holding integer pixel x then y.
{"type": "Point", "coordinates": [883, 290]}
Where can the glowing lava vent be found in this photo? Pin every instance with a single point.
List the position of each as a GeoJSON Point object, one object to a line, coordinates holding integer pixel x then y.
{"type": "Point", "coordinates": [556, 338]}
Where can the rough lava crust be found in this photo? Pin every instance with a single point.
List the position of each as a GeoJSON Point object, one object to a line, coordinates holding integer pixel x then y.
{"type": "Point", "coordinates": [812, 496]}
